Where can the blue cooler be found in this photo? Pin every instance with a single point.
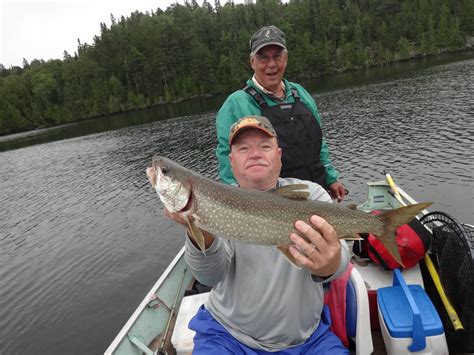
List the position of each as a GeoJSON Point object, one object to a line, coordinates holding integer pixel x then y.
{"type": "Point", "coordinates": [408, 319]}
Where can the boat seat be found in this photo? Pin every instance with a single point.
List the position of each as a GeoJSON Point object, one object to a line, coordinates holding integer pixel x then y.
{"type": "Point", "coordinates": [348, 293]}
{"type": "Point", "coordinates": [358, 314]}
{"type": "Point", "coordinates": [182, 338]}
{"type": "Point", "coordinates": [351, 309]}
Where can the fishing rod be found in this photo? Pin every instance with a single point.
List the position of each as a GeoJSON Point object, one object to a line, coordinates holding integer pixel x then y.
{"type": "Point", "coordinates": [453, 316]}
{"type": "Point", "coordinates": [161, 349]}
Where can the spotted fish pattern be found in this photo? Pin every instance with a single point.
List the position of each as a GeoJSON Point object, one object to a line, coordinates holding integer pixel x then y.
{"type": "Point", "coordinates": [265, 218]}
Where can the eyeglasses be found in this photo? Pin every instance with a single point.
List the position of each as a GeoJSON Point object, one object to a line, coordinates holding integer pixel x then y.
{"type": "Point", "coordinates": [265, 59]}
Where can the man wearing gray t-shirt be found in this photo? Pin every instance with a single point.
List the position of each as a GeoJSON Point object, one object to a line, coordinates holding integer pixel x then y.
{"type": "Point", "coordinates": [260, 303]}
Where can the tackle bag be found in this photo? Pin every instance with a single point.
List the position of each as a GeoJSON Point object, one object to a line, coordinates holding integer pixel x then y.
{"type": "Point", "coordinates": [413, 241]}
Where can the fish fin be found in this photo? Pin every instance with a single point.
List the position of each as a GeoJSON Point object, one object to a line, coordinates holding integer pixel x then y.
{"type": "Point", "coordinates": [405, 214]}
{"type": "Point", "coordinates": [293, 192]}
{"type": "Point", "coordinates": [393, 219]}
{"type": "Point", "coordinates": [351, 237]}
{"type": "Point", "coordinates": [196, 234]}
{"type": "Point", "coordinates": [285, 250]}
{"type": "Point", "coordinates": [352, 206]}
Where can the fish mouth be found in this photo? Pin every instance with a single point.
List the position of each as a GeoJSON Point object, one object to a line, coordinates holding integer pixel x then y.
{"type": "Point", "coordinates": [151, 173]}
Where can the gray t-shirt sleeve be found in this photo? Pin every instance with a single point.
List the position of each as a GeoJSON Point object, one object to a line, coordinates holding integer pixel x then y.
{"type": "Point", "coordinates": [209, 267]}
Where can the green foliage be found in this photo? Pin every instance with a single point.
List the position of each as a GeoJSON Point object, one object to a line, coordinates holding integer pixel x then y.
{"type": "Point", "coordinates": [467, 17]}
{"type": "Point", "coordinates": [403, 48]}
{"type": "Point", "coordinates": [11, 120]}
{"type": "Point", "coordinates": [190, 50]}
{"type": "Point", "coordinates": [428, 41]}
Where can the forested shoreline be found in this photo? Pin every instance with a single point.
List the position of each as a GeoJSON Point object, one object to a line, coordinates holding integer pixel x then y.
{"type": "Point", "coordinates": [188, 50]}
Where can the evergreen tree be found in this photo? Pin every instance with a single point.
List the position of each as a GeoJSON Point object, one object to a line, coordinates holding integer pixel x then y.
{"type": "Point", "coordinates": [403, 48]}
{"type": "Point", "coordinates": [467, 17]}
{"type": "Point", "coordinates": [442, 32]}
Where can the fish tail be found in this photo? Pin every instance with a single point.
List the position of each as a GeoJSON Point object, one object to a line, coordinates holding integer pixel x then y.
{"type": "Point", "coordinates": [393, 219]}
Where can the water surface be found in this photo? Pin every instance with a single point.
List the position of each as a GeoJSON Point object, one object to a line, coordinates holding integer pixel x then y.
{"type": "Point", "coordinates": [83, 237]}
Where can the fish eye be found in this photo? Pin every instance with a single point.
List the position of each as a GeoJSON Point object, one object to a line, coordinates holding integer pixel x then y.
{"type": "Point", "coordinates": [165, 169]}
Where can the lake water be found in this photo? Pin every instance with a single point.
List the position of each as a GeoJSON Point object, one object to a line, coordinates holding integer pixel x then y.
{"type": "Point", "coordinates": [83, 237]}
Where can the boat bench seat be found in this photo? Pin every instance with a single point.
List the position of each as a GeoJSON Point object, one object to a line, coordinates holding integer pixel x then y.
{"type": "Point", "coordinates": [182, 338]}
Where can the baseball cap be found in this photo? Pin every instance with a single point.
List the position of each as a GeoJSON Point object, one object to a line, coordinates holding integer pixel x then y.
{"type": "Point", "coordinates": [266, 36]}
{"type": "Point", "coordinates": [257, 122]}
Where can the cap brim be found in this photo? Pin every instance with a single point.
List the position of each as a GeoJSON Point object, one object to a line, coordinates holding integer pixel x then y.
{"type": "Point", "coordinates": [255, 51]}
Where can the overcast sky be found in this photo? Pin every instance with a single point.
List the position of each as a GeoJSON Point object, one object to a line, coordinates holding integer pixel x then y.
{"type": "Point", "coordinates": [43, 29]}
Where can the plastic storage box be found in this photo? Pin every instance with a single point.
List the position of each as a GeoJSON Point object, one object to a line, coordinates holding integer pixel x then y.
{"type": "Point", "coordinates": [408, 319]}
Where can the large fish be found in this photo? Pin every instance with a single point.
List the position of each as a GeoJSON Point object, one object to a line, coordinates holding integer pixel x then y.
{"type": "Point", "coordinates": [264, 218]}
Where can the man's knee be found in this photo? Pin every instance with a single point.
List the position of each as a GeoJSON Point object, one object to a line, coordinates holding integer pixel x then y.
{"type": "Point", "coordinates": [211, 338]}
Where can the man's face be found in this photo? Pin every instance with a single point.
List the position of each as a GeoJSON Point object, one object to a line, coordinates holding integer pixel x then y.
{"type": "Point", "coordinates": [269, 66]}
{"type": "Point", "coordinates": [255, 159]}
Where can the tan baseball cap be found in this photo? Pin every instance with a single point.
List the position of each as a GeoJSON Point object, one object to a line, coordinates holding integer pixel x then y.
{"type": "Point", "coordinates": [257, 122]}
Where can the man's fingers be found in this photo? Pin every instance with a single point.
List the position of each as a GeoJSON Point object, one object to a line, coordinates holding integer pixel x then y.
{"type": "Point", "coordinates": [316, 246]}
{"type": "Point", "coordinates": [337, 191]}
{"type": "Point", "coordinates": [302, 245]}
{"type": "Point", "coordinates": [309, 233]}
{"type": "Point", "coordinates": [341, 192]}
{"type": "Point", "coordinates": [301, 259]}
{"type": "Point", "coordinates": [327, 231]}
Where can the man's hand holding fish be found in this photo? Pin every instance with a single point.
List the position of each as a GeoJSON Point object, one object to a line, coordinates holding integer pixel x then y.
{"type": "Point", "coordinates": [319, 250]}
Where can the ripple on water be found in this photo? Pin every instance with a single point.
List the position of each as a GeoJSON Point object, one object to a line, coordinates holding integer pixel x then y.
{"type": "Point", "coordinates": [83, 236]}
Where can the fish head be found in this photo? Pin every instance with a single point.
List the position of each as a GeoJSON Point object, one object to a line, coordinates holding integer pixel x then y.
{"type": "Point", "coordinates": [171, 184]}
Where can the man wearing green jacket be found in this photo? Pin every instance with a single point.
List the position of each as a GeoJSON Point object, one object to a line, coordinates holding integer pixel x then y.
{"type": "Point", "coordinates": [290, 109]}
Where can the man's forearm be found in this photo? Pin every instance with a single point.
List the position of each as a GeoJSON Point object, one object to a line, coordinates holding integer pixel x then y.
{"type": "Point", "coordinates": [210, 266]}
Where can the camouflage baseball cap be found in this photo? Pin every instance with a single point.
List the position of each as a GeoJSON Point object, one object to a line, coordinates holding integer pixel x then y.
{"type": "Point", "coordinates": [258, 122]}
{"type": "Point", "coordinates": [266, 36]}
